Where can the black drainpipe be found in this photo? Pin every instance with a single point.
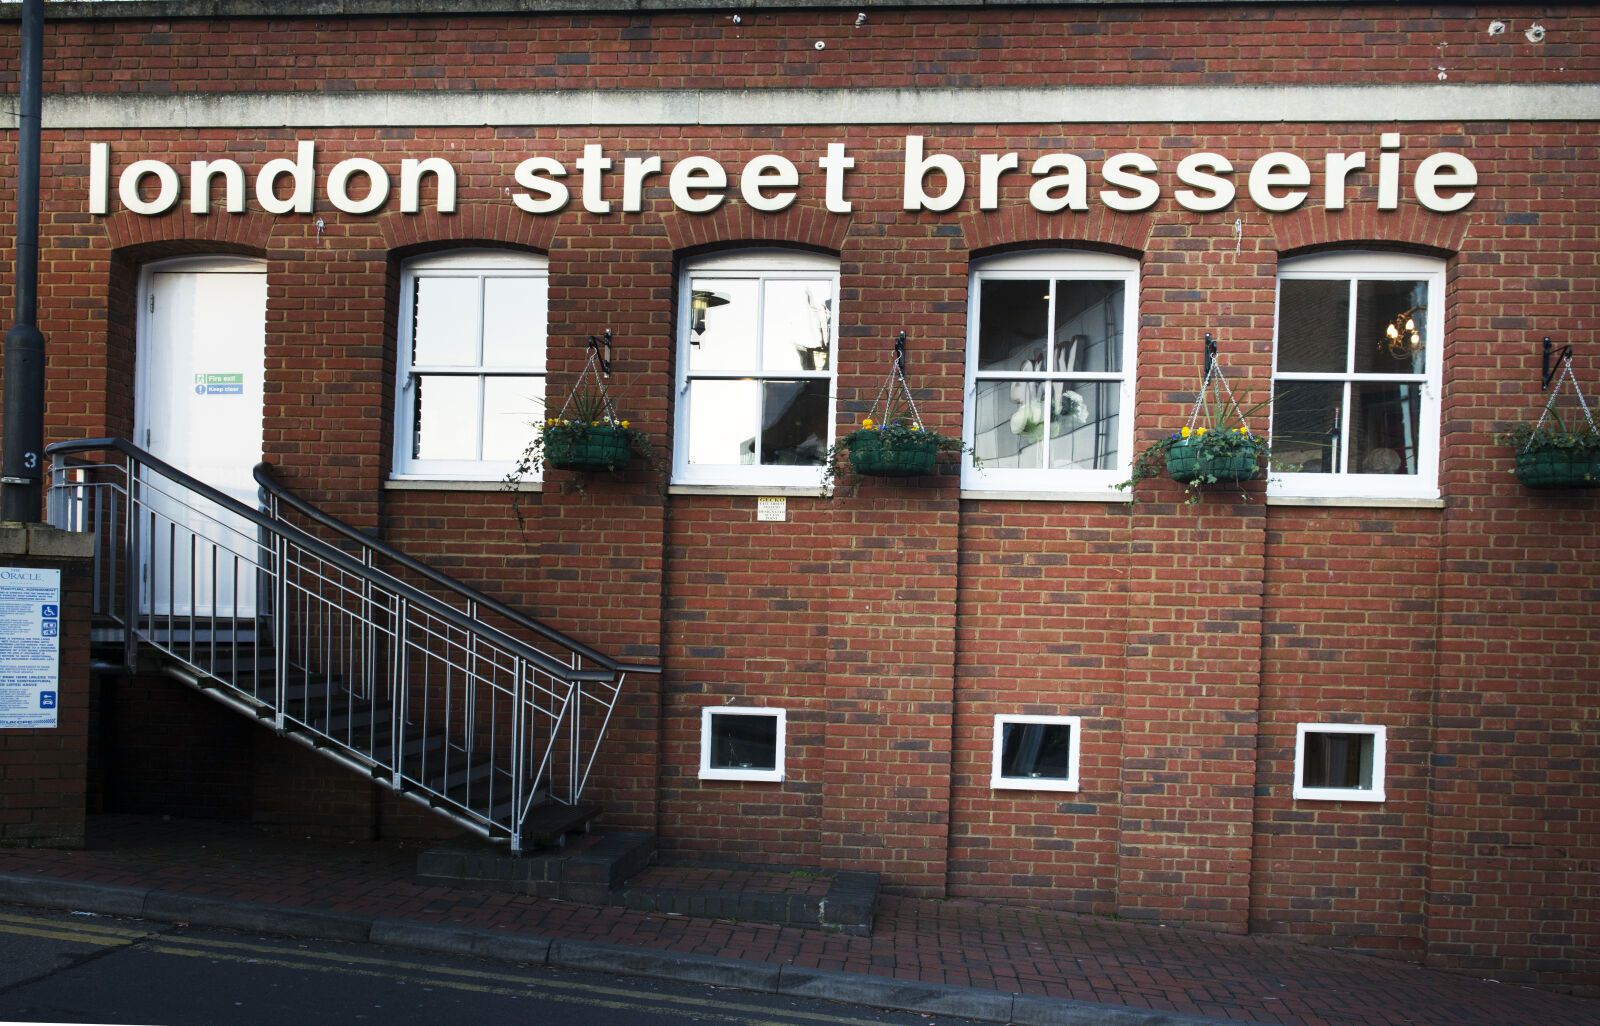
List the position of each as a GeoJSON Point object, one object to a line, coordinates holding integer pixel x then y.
{"type": "Point", "coordinates": [22, 429]}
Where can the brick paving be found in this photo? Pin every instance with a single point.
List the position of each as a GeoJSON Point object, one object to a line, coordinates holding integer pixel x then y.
{"type": "Point", "coordinates": [965, 943]}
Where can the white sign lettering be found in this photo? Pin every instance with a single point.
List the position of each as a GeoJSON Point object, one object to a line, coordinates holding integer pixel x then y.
{"type": "Point", "coordinates": [1276, 182]}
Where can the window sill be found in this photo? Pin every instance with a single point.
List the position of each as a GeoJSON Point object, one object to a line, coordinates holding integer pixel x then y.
{"type": "Point", "coordinates": [755, 490]}
{"type": "Point", "coordinates": [1107, 495]}
{"type": "Point", "coordinates": [1321, 794]}
{"type": "Point", "coordinates": [753, 776]}
{"type": "Point", "coordinates": [428, 484]}
{"type": "Point", "coordinates": [1056, 786]}
{"type": "Point", "coordinates": [1374, 502]}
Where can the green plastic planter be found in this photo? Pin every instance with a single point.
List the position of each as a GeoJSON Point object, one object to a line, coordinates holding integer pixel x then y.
{"type": "Point", "coordinates": [1186, 463]}
{"type": "Point", "coordinates": [602, 447]}
{"type": "Point", "coordinates": [906, 457]}
{"type": "Point", "coordinates": [1558, 468]}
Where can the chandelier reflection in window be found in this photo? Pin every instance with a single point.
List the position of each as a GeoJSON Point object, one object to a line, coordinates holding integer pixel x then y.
{"type": "Point", "coordinates": [1402, 336]}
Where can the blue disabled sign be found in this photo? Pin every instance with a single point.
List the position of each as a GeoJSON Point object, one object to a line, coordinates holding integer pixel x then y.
{"type": "Point", "coordinates": [30, 652]}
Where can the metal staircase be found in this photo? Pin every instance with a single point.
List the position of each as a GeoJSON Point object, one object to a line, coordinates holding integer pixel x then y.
{"type": "Point", "coordinates": [340, 643]}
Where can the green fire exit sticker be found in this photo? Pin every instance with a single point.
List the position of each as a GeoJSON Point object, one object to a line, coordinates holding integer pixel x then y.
{"type": "Point", "coordinates": [219, 384]}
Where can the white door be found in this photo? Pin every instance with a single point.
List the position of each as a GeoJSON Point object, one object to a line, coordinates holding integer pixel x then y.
{"type": "Point", "coordinates": [198, 406]}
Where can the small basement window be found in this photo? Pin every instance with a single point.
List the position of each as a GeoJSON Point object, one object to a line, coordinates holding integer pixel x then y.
{"type": "Point", "coordinates": [1339, 762]}
{"type": "Point", "coordinates": [1035, 753]}
{"type": "Point", "coordinates": [741, 743]}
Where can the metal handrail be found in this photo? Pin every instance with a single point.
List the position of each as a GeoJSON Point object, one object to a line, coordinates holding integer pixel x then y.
{"type": "Point", "coordinates": [333, 652]}
{"type": "Point", "coordinates": [324, 550]}
{"type": "Point", "coordinates": [269, 484]}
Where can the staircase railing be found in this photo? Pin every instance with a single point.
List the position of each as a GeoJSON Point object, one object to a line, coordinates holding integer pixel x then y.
{"type": "Point", "coordinates": [358, 657]}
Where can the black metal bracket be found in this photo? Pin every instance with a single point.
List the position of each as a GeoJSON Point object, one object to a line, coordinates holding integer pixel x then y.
{"type": "Point", "coordinates": [1210, 357]}
{"type": "Point", "coordinates": [1564, 355]}
{"type": "Point", "coordinates": [601, 347]}
{"type": "Point", "coordinates": [900, 352]}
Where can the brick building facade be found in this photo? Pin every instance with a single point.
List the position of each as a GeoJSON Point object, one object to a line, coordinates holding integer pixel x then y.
{"type": "Point", "coordinates": [1213, 168]}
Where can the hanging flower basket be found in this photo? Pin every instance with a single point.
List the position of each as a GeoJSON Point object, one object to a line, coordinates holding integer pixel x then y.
{"type": "Point", "coordinates": [588, 446]}
{"type": "Point", "coordinates": [1215, 447]}
{"type": "Point", "coordinates": [893, 451]}
{"type": "Point", "coordinates": [1559, 468]}
{"type": "Point", "coordinates": [1194, 459]}
{"type": "Point", "coordinates": [898, 445]}
{"type": "Point", "coordinates": [1551, 455]}
{"type": "Point", "coordinates": [587, 435]}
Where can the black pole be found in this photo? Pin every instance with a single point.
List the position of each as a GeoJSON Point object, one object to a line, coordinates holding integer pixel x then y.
{"type": "Point", "coordinates": [22, 428]}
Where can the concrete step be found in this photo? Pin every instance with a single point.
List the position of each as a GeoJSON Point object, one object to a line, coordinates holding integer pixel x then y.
{"type": "Point", "coordinates": [588, 869]}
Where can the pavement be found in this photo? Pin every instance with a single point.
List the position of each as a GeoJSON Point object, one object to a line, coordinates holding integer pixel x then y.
{"type": "Point", "coordinates": [970, 959]}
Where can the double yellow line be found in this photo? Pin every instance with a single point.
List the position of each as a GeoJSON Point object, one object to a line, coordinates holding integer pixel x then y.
{"type": "Point", "coordinates": [478, 981]}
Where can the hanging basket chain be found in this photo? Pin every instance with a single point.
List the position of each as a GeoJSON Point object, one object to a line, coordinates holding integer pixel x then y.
{"type": "Point", "coordinates": [1214, 370]}
{"type": "Point", "coordinates": [886, 396]}
{"type": "Point", "coordinates": [1550, 405]}
{"type": "Point", "coordinates": [592, 369]}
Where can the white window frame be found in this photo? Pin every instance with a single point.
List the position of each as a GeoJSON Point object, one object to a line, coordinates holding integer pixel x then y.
{"type": "Point", "coordinates": [1342, 794]}
{"type": "Point", "coordinates": [758, 265]}
{"type": "Point", "coordinates": [1355, 267]}
{"type": "Point", "coordinates": [708, 772]}
{"type": "Point", "coordinates": [998, 781]}
{"type": "Point", "coordinates": [1046, 483]}
{"type": "Point", "coordinates": [464, 264]}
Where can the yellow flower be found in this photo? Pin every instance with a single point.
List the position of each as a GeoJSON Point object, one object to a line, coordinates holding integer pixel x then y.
{"type": "Point", "coordinates": [916, 427]}
{"type": "Point", "coordinates": [1202, 431]}
{"type": "Point", "coordinates": [1185, 432]}
{"type": "Point", "coordinates": [867, 423]}
{"type": "Point", "coordinates": [624, 424]}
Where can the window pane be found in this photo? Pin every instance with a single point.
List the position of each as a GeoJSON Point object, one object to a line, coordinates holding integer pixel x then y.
{"type": "Point", "coordinates": [1088, 326]}
{"type": "Point", "coordinates": [1306, 421]}
{"type": "Point", "coordinates": [796, 326]}
{"type": "Point", "coordinates": [1380, 304]}
{"type": "Point", "coordinates": [794, 426]}
{"type": "Point", "coordinates": [445, 331]}
{"type": "Point", "coordinates": [1338, 760]}
{"type": "Point", "coordinates": [1013, 323]}
{"type": "Point", "coordinates": [722, 324]}
{"type": "Point", "coordinates": [1384, 429]}
{"type": "Point", "coordinates": [514, 322]}
{"type": "Point", "coordinates": [446, 421]}
{"type": "Point", "coordinates": [743, 742]}
{"type": "Point", "coordinates": [1083, 424]}
{"type": "Point", "coordinates": [512, 409]}
{"type": "Point", "coordinates": [723, 416]}
{"type": "Point", "coordinates": [1313, 325]}
{"type": "Point", "coordinates": [1008, 429]}
{"type": "Point", "coordinates": [1036, 750]}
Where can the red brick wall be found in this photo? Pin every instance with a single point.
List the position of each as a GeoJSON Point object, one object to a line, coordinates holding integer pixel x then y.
{"type": "Point", "coordinates": [894, 622]}
{"type": "Point", "coordinates": [1041, 630]}
{"type": "Point", "coordinates": [895, 47]}
{"type": "Point", "coordinates": [1350, 638]}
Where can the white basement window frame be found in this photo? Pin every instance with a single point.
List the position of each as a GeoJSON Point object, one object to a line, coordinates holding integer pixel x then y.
{"type": "Point", "coordinates": [1049, 413]}
{"type": "Point", "coordinates": [1323, 752]}
{"type": "Point", "coordinates": [472, 335]}
{"type": "Point", "coordinates": [725, 755]}
{"type": "Point", "coordinates": [758, 347]}
{"type": "Point", "coordinates": [1038, 759]}
{"type": "Point", "coordinates": [1357, 421]}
